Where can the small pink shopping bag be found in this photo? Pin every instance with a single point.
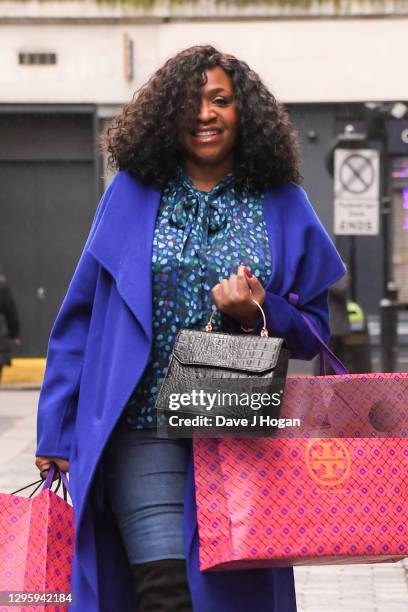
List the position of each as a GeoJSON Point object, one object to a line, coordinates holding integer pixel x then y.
{"type": "Point", "coordinates": [36, 545]}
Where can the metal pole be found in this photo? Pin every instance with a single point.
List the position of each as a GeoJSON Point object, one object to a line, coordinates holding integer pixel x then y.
{"type": "Point", "coordinates": [389, 301]}
{"type": "Point", "coordinates": [353, 269]}
{"type": "Point", "coordinates": [389, 334]}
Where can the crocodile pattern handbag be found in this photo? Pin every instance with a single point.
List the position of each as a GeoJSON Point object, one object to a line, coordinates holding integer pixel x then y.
{"type": "Point", "coordinates": [219, 363]}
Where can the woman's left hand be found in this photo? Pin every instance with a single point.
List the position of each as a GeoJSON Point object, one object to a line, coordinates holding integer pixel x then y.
{"type": "Point", "coordinates": [44, 464]}
{"type": "Point", "coordinates": [233, 296]}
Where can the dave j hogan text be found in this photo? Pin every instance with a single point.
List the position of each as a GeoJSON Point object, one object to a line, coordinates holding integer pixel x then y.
{"type": "Point", "coordinates": [222, 421]}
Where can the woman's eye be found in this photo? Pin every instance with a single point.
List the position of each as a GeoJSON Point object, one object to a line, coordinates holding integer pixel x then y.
{"type": "Point", "coordinates": [221, 101]}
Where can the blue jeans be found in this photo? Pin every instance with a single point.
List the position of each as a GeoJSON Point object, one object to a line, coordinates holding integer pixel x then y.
{"type": "Point", "coordinates": [145, 478]}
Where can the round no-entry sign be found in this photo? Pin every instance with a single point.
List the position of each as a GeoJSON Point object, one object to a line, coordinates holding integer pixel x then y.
{"type": "Point", "coordinates": [356, 173]}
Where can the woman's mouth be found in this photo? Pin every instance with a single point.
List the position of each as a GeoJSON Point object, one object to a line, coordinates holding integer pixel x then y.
{"type": "Point", "coordinates": [203, 136]}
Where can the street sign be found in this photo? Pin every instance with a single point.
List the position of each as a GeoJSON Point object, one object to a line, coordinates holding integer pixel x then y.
{"type": "Point", "coordinates": [356, 192]}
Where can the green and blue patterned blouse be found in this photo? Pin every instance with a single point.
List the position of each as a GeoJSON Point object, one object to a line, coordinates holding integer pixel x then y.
{"type": "Point", "coordinates": [200, 238]}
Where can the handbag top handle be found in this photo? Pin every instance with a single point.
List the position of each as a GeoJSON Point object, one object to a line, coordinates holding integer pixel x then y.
{"type": "Point", "coordinates": [264, 332]}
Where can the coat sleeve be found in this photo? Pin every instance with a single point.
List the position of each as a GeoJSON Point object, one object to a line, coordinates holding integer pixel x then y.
{"type": "Point", "coordinates": [311, 265]}
{"type": "Point", "coordinates": [59, 392]}
{"type": "Point", "coordinates": [285, 321]}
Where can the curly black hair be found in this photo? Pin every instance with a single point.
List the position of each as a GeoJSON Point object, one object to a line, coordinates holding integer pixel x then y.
{"type": "Point", "coordinates": [144, 138]}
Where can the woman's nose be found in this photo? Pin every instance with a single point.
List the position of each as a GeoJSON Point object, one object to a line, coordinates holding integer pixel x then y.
{"type": "Point", "coordinates": [205, 112]}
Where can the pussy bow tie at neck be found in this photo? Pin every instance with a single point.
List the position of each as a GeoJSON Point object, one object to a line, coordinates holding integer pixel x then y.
{"type": "Point", "coordinates": [186, 207]}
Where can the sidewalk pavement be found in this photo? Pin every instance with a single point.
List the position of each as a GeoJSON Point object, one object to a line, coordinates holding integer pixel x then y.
{"type": "Point", "coordinates": [347, 588]}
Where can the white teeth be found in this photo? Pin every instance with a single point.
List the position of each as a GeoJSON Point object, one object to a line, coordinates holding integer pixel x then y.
{"type": "Point", "coordinates": [206, 133]}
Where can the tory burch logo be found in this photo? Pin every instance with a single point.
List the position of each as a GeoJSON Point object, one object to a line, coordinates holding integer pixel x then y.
{"type": "Point", "coordinates": [328, 460]}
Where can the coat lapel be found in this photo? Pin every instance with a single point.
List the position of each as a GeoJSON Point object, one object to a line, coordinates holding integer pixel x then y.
{"type": "Point", "coordinates": [122, 243]}
{"type": "Point", "coordinates": [270, 223]}
{"type": "Point", "coordinates": [123, 240]}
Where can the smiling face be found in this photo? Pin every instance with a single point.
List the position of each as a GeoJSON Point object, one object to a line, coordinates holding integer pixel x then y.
{"type": "Point", "coordinates": [211, 141]}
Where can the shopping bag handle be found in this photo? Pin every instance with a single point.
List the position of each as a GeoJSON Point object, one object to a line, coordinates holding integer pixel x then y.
{"type": "Point", "coordinates": [39, 483]}
{"type": "Point", "coordinates": [324, 351]}
{"type": "Point", "coordinates": [30, 485]}
{"type": "Point", "coordinates": [50, 476]}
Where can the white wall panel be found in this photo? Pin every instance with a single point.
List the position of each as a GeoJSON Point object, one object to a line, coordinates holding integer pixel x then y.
{"type": "Point", "coordinates": [302, 61]}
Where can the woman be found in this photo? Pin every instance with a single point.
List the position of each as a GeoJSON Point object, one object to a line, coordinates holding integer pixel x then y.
{"type": "Point", "coordinates": [9, 324]}
{"type": "Point", "coordinates": [205, 207]}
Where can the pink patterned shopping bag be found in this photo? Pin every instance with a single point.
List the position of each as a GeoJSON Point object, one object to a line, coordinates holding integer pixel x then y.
{"type": "Point", "coordinates": [36, 546]}
{"type": "Point", "coordinates": [309, 500]}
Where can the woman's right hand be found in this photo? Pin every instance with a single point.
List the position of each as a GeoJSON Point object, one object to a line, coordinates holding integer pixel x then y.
{"type": "Point", "coordinates": [44, 464]}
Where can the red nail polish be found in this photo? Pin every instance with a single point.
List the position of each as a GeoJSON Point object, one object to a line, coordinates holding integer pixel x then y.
{"type": "Point", "coordinates": [248, 273]}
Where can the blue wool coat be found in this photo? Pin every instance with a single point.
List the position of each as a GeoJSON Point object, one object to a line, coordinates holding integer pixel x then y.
{"type": "Point", "coordinates": [98, 349]}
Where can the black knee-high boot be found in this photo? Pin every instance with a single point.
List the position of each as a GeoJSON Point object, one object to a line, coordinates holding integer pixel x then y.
{"type": "Point", "coordinates": [161, 586]}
